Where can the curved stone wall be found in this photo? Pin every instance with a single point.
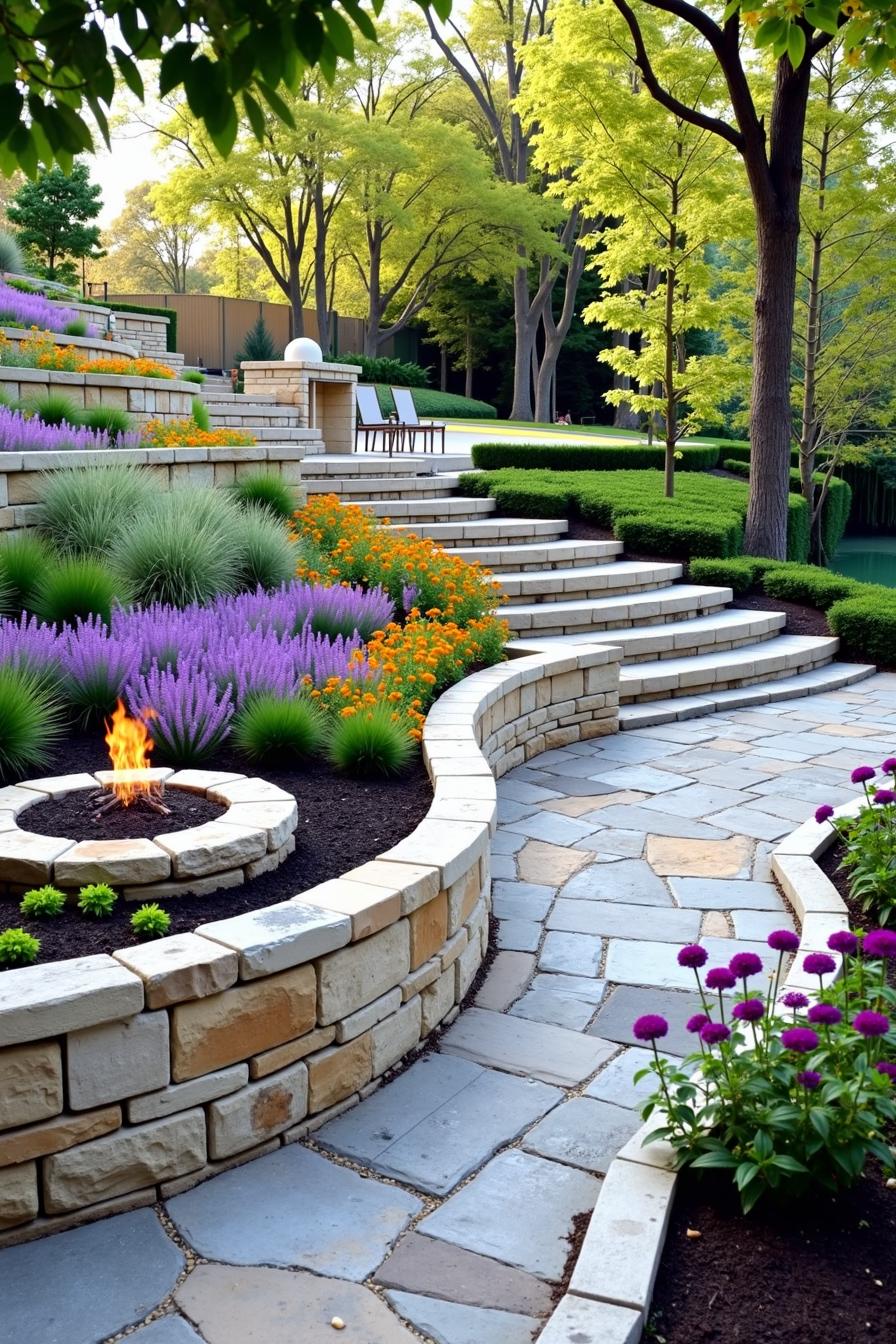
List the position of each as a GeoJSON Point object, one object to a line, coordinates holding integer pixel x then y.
{"type": "Point", "coordinates": [91, 347]}
{"type": "Point", "coordinates": [128, 1077]}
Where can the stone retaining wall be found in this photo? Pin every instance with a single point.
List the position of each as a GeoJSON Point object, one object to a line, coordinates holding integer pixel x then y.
{"type": "Point", "coordinates": [132, 1076]}
{"type": "Point", "coordinates": [20, 473]}
{"type": "Point", "coordinates": [91, 347]}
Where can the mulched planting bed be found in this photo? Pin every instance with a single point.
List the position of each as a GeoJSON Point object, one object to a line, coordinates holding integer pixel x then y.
{"type": "Point", "coordinates": [72, 817]}
{"type": "Point", "coordinates": [343, 822]}
{"type": "Point", "coordinates": [822, 1271]}
{"type": "Point", "coordinates": [800, 620]}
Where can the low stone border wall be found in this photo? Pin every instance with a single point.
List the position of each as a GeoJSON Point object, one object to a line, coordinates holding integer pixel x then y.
{"type": "Point", "coordinates": [612, 1283]}
{"type": "Point", "coordinates": [91, 347]}
{"type": "Point", "coordinates": [130, 1077]}
{"type": "Point", "coordinates": [20, 473]}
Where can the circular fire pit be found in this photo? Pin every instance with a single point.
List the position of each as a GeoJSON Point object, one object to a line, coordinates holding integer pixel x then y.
{"type": "Point", "coordinates": [252, 836]}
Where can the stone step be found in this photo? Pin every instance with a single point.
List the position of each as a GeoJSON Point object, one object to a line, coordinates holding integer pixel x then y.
{"type": "Point", "coordinates": [248, 415]}
{"type": "Point", "coordinates": [487, 532]}
{"type": "Point", "coordinates": [623, 576]}
{"type": "Point", "coordinates": [223, 394]}
{"type": "Point", "coordinates": [460, 507]}
{"type": "Point", "coordinates": [375, 465]}
{"type": "Point", "coordinates": [521, 559]}
{"type": "Point", "coordinates": [828, 677]}
{"type": "Point", "coordinates": [749, 665]}
{"type": "Point", "coordinates": [715, 633]}
{"type": "Point", "coordinates": [606, 614]}
{"type": "Point", "coordinates": [275, 433]}
{"type": "Point", "coordinates": [355, 488]}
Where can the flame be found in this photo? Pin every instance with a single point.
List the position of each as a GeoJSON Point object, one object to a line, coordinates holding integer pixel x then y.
{"type": "Point", "coordinates": [129, 746]}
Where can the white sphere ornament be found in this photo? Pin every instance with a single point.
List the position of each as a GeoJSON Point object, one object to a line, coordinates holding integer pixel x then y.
{"type": "Point", "coordinates": [303, 351]}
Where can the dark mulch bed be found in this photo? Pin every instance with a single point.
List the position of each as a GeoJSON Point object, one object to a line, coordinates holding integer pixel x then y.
{"type": "Point", "coordinates": [800, 620]}
{"type": "Point", "coordinates": [74, 817]}
{"type": "Point", "coordinates": [818, 1272]}
{"type": "Point", "coordinates": [342, 822]}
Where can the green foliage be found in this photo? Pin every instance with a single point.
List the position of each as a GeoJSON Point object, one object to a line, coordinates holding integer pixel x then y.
{"type": "Point", "coordinates": [809, 585]}
{"type": "Point", "coordinates": [266, 555]}
{"type": "Point", "coordinates": [52, 217]}
{"type": "Point", "coordinates": [184, 547]}
{"type": "Point", "coordinates": [30, 722]}
{"type": "Point", "coordinates": [54, 409]}
{"type": "Point", "coordinates": [23, 561]}
{"type": "Point", "coordinates": [201, 415]}
{"type": "Point", "coordinates": [191, 376]}
{"type": "Point", "coordinates": [867, 624]}
{"type": "Point", "coordinates": [11, 258]}
{"type": "Point", "coordinates": [150, 921]}
{"type": "Point", "coordinates": [75, 587]}
{"type": "Point", "coordinates": [18, 948]}
{"type": "Point", "coordinates": [669, 535]}
{"type": "Point", "coordinates": [258, 345]}
{"type": "Point", "coordinates": [737, 574]}
{"type": "Point", "coordinates": [267, 491]}
{"type": "Point", "coordinates": [112, 419]}
{"type": "Point", "coordinates": [588, 457]}
{"type": "Point", "coordinates": [835, 511]}
{"type": "Point", "coordinates": [85, 509]}
{"type": "Point", "coordinates": [798, 529]}
{"type": "Point", "coordinates": [272, 729]}
{"type": "Point", "coordinates": [370, 742]}
{"type": "Point", "coordinates": [97, 900]}
{"type": "Point", "coordinates": [433, 405]}
{"type": "Point", "coordinates": [390, 372]}
{"type": "Point", "coordinates": [76, 328]}
{"type": "Point", "coordinates": [42, 903]}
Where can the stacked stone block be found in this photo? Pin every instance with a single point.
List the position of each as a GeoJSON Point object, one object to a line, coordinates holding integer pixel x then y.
{"type": "Point", "coordinates": [323, 395]}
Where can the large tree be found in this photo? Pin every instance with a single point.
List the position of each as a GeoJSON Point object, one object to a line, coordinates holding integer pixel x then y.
{"type": "Point", "coordinates": [52, 218]}
{"type": "Point", "coordinates": [152, 244]}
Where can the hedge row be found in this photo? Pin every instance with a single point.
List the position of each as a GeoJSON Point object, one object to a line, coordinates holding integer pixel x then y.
{"type": "Point", "coordinates": [863, 615]}
{"type": "Point", "coordinates": [706, 517]}
{"type": "Point", "coordinates": [590, 457]}
{"type": "Point", "coordinates": [432, 404]}
{"type": "Point", "coordinates": [837, 503]}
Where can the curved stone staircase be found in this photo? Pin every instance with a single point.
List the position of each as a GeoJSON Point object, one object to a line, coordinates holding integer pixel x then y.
{"type": "Point", "coordinates": [686, 650]}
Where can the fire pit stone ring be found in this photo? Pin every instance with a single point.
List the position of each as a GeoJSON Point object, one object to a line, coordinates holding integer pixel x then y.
{"type": "Point", "coordinates": [252, 836]}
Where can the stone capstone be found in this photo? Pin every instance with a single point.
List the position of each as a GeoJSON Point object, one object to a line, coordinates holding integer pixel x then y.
{"type": "Point", "coordinates": [279, 936]}
{"type": "Point", "coordinates": [122, 862]}
{"type": "Point", "coordinates": [181, 967]}
{"type": "Point", "coordinates": [62, 996]}
{"type": "Point", "coordinates": [212, 848]}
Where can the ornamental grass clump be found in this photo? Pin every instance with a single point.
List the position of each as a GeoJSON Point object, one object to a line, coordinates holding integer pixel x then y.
{"type": "Point", "coordinates": [266, 556]}
{"type": "Point", "coordinates": [85, 510]}
{"type": "Point", "coordinates": [783, 1098]}
{"type": "Point", "coordinates": [76, 587]}
{"type": "Point", "coordinates": [30, 722]}
{"type": "Point", "coordinates": [182, 548]}
{"type": "Point", "coordinates": [150, 921]}
{"type": "Point", "coordinates": [869, 841]}
{"type": "Point", "coordinates": [272, 728]}
{"type": "Point", "coordinates": [98, 899]}
{"type": "Point", "coordinates": [23, 560]}
{"type": "Point", "coordinates": [372, 741]}
{"type": "Point", "coordinates": [269, 491]}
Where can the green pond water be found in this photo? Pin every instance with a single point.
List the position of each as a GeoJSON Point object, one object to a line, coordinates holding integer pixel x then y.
{"type": "Point", "coordinates": [871, 559]}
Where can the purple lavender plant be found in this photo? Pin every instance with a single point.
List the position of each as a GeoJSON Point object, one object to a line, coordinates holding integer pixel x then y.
{"type": "Point", "coordinates": [27, 434]}
{"type": "Point", "coordinates": [189, 717]}
{"type": "Point", "coordinates": [32, 310]}
{"type": "Point", "coordinates": [95, 666]}
{"type": "Point", "coordinates": [28, 643]}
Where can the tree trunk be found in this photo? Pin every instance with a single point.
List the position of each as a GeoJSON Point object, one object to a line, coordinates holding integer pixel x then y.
{"type": "Point", "coordinates": [443, 369]}
{"type": "Point", "coordinates": [468, 360]}
{"type": "Point", "coordinates": [321, 289]}
{"type": "Point", "coordinates": [809, 417]}
{"type": "Point", "coordinates": [524, 340]}
{"type": "Point", "coordinates": [670, 416]}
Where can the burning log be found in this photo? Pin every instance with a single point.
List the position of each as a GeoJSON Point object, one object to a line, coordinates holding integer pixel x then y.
{"type": "Point", "coordinates": [131, 781]}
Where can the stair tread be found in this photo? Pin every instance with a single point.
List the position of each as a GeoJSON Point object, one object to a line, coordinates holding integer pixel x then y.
{"type": "Point", "coordinates": [726, 622]}
{"type": "Point", "coordinates": [576, 577]}
{"type": "Point", "coordinates": [663, 597]}
{"type": "Point", "coordinates": [787, 646]}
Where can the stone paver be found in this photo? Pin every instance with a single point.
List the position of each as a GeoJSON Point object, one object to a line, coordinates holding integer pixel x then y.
{"type": "Point", "coordinates": [614, 1020]}
{"type": "Point", "coordinates": [583, 1133]}
{"type": "Point", "coordinates": [616, 1081]}
{"type": "Point", "coordinates": [614, 919]}
{"type": "Point", "coordinates": [534, 1049]}
{"type": "Point", "coordinates": [454, 1323]}
{"type": "Point", "coordinates": [422, 1264]}
{"type": "Point", "coordinates": [518, 1209]}
{"type": "Point", "coordinates": [631, 881]}
{"type": "Point", "coordinates": [577, 953]}
{"type": "Point", "coordinates": [167, 1330]}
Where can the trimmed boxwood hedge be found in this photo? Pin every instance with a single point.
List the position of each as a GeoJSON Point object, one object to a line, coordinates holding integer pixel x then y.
{"type": "Point", "coordinates": [432, 404]}
{"type": "Point", "coordinates": [866, 623]}
{"type": "Point", "coordinates": [589, 457]}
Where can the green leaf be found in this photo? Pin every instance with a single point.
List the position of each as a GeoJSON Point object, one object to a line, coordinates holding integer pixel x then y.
{"type": "Point", "coordinates": [784, 1162]}
{"type": "Point", "coordinates": [340, 34]}
{"type": "Point", "coordinates": [254, 114]}
{"type": "Point", "coordinates": [746, 1172]}
{"type": "Point", "coordinates": [770, 31]}
{"type": "Point", "coordinates": [749, 1196]}
{"type": "Point", "coordinates": [820, 1122]}
{"type": "Point", "coordinates": [763, 1145]}
{"type": "Point", "coordinates": [730, 10]}
{"type": "Point", "coordinates": [226, 125]}
{"type": "Point", "coordinates": [360, 19]}
{"type": "Point", "coordinates": [11, 104]}
{"type": "Point", "coordinates": [130, 72]}
{"type": "Point", "coordinates": [175, 66]}
{"type": "Point", "coordinates": [276, 104]}
{"type": "Point", "coordinates": [715, 1159]}
{"type": "Point", "coordinates": [796, 45]}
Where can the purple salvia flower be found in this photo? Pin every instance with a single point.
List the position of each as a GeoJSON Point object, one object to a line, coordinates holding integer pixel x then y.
{"type": "Point", "coordinates": [27, 643]}
{"type": "Point", "coordinates": [96, 667]}
{"type": "Point", "coordinates": [33, 310]}
{"type": "Point", "coordinates": [21, 433]}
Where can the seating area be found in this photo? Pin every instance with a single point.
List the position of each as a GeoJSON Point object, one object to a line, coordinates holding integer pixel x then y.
{"type": "Point", "coordinates": [401, 429]}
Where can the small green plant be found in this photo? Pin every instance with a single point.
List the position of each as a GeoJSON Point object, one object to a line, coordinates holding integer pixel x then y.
{"type": "Point", "coordinates": [23, 560]}
{"type": "Point", "coordinates": [192, 376]}
{"type": "Point", "coordinates": [201, 415]}
{"type": "Point", "coordinates": [271, 728]}
{"type": "Point", "coordinates": [150, 921]}
{"type": "Point", "coordinates": [18, 948]}
{"type": "Point", "coordinates": [183, 548]}
{"type": "Point", "coordinates": [30, 721]}
{"type": "Point", "coordinates": [76, 328]}
{"type": "Point", "coordinates": [53, 409]}
{"type": "Point", "coordinates": [85, 509]}
{"type": "Point", "coordinates": [266, 555]}
{"type": "Point", "coordinates": [267, 491]}
{"type": "Point", "coordinates": [258, 345]}
{"type": "Point", "coordinates": [112, 419]}
{"type": "Point", "coordinates": [42, 903]}
{"type": "Point", "coordinates": [98, 900]}
{"type": "Point", "coordinates": [77, 586]}
{"type": "Point", "coordinates": [370, 742]}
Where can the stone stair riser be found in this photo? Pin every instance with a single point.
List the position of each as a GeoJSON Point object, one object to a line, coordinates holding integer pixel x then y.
{"type": "Point", "coordinates": [646, 692]}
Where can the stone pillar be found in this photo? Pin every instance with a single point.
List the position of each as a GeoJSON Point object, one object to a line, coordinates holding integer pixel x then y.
{"type": "Point", "coordinates": [323, 395]}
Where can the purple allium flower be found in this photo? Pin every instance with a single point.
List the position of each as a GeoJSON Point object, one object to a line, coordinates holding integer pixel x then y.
{"type": "Point", "coordinates": [823, 813]}
{"type": "Point", "coordinates": [880, 943]}
{"type": "Point", "coordinates": [819, 963]}
{"type": "Point", "coordinates": [650, 1027]}
{"type": "Point", "coordinates": [745, 964]}
{"type": "Point", "coordinates": [883, 796]}
{"type": "Point", "coordinates": [843, 941]}
{"type": "Point", "coordinates": [862, 774]}
{"type": "Point", "coordinates": [750, 1010]}
{"type": "Point", "coordinates": [712, 1033]}
{"type": "Point", "coordinates": [783, 940]}
{"type": "Point", "coordinates": [719, 977]}
{"type": "Point", "coordinates": [809, 1079]}
{"type": "Point", "coordinates": [824, 1015]}
{"type": "Point", "coordinates": [868, 1023]}
{"type": "Point", "coordinates": [793, 999]}
{"type": "Point", "coordinates": [889, 765]}
{"type": "Point", "coordinates": [800, 1039]}
{"type": "Point", "coordinates": [695, 1023]}
{"type": "Point", "coordinates": [886, 1068]}
{"type": "Point", "coordinates": [693, 955]}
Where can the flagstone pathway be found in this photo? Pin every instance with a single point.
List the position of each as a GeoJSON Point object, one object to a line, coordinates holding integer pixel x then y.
{"type": "Point", "coordinates": [440, 1207]}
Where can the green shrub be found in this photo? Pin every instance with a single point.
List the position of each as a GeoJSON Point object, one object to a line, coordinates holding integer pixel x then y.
{"type": "Point", "coordinates": [84, 510]}
{"type": "Point", "coordinates": [736, 574]}
{"type": "Point", "coordinates": [23, 560]}
{"type": "Point", "coordinates": [53, 409]}
{"type": "Point", "coordinates": [111, 419]}
{"type": "Point", "coordinates": [183, 548]}
{"type": "Point", "coordinates": [170, 313]}
{"type": "Point", "coordinates": [676, 537]}
{"type": "Point", "coordinates": [11, 258]}
{"type": "Point", "coordinates": [42, 903]}
{"type": "Point", "coordinates": [201, 415]}
{"type": "Point", "coordinates": [191, 376]}
{"type": "Point", "coordinates": [75, 587]}
{"type": "Point", "coordinates": [273, 729]}
{"type": "Point", "coordinates": [18, 948]}
{"type": "Point", "coordinates": [808, 584]}
{"type": "Point", "coordinates": [433, 405]}
{"type": "Point", "coordinates": [97, 900]}
{"type": "Point", "coordinates": [76, 328]}
{"type": "Point", "coordinates": [867, 626]}
{"type": "Point", "coordinates": [737, 467]}
{"type": "Point", "coordinates": [834, 513]}
{"type": "Point", "coordinates": [265, 555]}
{"type": "Point", "coordinates": [384, 369]}
{"type": "Point", "coordinates": [30, 722]}
{"type": "Point", "coordinates": [258, 345]}
{"type": "Point", "coordinates": [798, 529]}
{"type": "Point", "coordinates": [370, 742]}
{"type": "Point", "coordinates": [620, 456]}
{"type": "Point", "coordinates": [268, 491]}
{"type": "Point", "coordinates": [150, 921]}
